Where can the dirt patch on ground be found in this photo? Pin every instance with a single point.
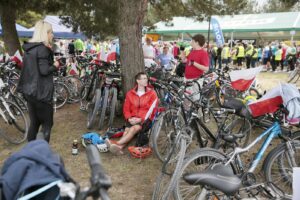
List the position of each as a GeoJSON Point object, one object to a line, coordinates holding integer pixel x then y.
{"type": "Point", "coordinates": [132, 178]}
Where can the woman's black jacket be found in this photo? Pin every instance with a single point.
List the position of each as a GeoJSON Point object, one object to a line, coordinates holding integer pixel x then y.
{"type": "Point", "coordinates": [36, 79]}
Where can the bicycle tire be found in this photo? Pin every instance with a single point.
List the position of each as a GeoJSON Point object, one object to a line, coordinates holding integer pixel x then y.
{"type": "Point", "coordinates": [113, 106]}
{"type": "Point", "coordinates": [163, 190]}
{"type": "Point", "coordinates": [20, 102]}
{"type": "Point", "coordinates": [93, 108]}
{"type": "Point", "coordinates": [196, 159]}
{"type": "Point", "coordinates": [163, 140]}
{"type": "Point", "coordinates": [103, 109]}
{"type": "Point", "coordinates": [293, 75]}
{"type": "Point", "coordinates": [276, 158]}
{"type": "Point", "coordinates": [74, 85]}
{"type": "Point", "coordinates": [61, 95]}
{"type": "Point", "coordinates": [18, 134]}
{"type": "Point", "coordinates": [240, 125]}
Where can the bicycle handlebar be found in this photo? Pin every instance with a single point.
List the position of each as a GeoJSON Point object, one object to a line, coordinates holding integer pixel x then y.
{"type": "Point", "coordinates": [100, 181]}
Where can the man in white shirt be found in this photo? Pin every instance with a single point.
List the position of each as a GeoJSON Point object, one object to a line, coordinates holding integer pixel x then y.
{"type": "Point", "coordinates": [149, 53]}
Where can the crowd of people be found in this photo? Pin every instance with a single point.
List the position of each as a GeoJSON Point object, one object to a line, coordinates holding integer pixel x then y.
{"type": "Point", "coordinates": [275, 56]}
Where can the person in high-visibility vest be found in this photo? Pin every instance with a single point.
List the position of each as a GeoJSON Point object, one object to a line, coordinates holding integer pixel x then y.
{"type": "Point", "coordinates": [278, 56]}
{"type": "Point", "coordinates": [233, 56]}
{"type": "Point", "coordinates": [248, 55]}
{"type": "Point", "coordinates": [225, 55]}
{"type": "Point", "coordinates": [240, 54]}
{"type": "Point", "coordinates": [254, 56]}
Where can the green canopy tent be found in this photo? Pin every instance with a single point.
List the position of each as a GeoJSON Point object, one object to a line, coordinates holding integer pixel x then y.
{"type": "Point", "coordinates": [282, 25]}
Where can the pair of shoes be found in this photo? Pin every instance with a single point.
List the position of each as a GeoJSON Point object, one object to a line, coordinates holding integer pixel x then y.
{"type": "Point", "coordinates": [113, 147]}
{"type": "Point", "coordinates": [140, 152]}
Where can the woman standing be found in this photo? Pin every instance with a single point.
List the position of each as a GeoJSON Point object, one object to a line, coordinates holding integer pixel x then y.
{"type": "Point", "coordinates": [36, 81]}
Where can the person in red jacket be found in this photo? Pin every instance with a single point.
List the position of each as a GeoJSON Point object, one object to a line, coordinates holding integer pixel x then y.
{"type": "Point", "coordinates": [139, 106]}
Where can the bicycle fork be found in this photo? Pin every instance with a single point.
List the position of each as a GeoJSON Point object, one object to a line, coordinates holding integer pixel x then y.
{"type": "Point", "coordinates": [290, 154]}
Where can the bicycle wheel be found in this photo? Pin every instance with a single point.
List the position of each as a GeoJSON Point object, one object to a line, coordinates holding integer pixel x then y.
{"type": "Point", "coordinates": [113, 104]}
{"type": "Point", "coordinates": [104, 106]}
{"type": "Point", "coordinates": [61, 95]}
{"type": "Point", "coordinates": [74, 85]}
{"type": "Point", "coordinates": [241, 127]}
{"type": "Point", "coordinates": [93, 108]}
{"type": "Point", "coordinates": [19, 101]}
{"type": "Point", "coordinates": [164, 132]}
{"type": "Point", "coordinates": [16, 129]}
{"type": "Point", "coordinates": [278, 169]}
{"type": "Point", "coordinates": [166, 182]}
{"type": "Point", "coordinates": [293, 75]}
{"type": "Point", "coordinates": [197, 161]}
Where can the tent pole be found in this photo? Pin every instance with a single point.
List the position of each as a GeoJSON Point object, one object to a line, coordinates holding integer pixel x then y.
{"type": "Point", "coordinates": [209, 19]}
{"type": "Point", "coordinates": [208, 34]}
{"type": "Point", "coordinates": [231, 40]}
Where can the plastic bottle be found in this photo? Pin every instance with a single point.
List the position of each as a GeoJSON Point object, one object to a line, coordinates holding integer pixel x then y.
{"type": "Point", "coordinates": [75, 147]}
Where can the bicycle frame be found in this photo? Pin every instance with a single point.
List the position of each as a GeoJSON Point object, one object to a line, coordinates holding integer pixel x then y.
{"type": "Point", "coordinates": [272, 132]}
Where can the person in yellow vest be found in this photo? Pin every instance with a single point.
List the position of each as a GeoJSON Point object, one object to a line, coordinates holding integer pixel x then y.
{"type": "Point", "coordinates": [248, 55]}
{"type": "Point", "coordinates": [225, 55]}
{"type": "Point", "coordinates": [278, 56]}
{"type": "Point", "coordinates": [240, 54]}
{"type": "Point", "coordinates": [215, 55]}
{"type": "Point", "coordinates": [233, 56]}
{"type": "Point", "coordinates": [254, 55]}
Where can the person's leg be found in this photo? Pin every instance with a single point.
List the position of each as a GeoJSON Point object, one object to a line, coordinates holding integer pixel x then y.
{"type": "Point", "coordinates": [34, 122]}
{"type": "Point", "coordinates": [132, 131]}
{"type": "Point", "coordinates": [45, 116]}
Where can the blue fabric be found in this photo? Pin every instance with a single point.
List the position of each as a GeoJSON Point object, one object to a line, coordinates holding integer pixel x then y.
{"type": "Point", "coordinates": [94, 137]}
{"type": "Point", "coordinates": [165, 59]}
{"type": "Point", "coordinates": [34, 165]}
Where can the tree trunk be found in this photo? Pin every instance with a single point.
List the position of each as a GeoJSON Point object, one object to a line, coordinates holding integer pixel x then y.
{"type": "Point", "coordinates": [132, 13]}
{"type": "Point", "coordinates": [9, 31]}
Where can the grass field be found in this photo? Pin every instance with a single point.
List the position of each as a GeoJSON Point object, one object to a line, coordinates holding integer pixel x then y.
{"type": "Point", "coordinates": [133, 179]}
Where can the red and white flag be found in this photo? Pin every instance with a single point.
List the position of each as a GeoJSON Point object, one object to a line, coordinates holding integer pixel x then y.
{"type": "Point", "coordinates": [242, 79]}
{"type": "Point", "coordinates": [102, 55]}
{"type": "Point", "coordinates": [269, 103]}
{"type": "Point", "coordinates": [112, 53]}
{"type": "Point", "coordinates": [17, 58]}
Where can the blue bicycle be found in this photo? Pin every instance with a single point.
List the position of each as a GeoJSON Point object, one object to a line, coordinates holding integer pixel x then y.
{"type": "Point", "coordinates": [211, 174]}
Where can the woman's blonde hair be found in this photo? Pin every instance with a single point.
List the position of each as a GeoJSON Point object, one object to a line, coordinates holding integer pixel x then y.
{"type": "Point", "coordinates": [41, 30]}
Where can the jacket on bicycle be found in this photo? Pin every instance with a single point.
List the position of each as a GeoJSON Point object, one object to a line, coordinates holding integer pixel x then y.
{"type": "Point", "coordinates": [36, 80]}
{"type": "Point", "coordinates": [33, 166]}
{"type": "Point", "coordinates": [140, 106]}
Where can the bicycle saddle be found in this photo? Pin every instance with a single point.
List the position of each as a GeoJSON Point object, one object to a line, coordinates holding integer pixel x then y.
{"type": "Point", "coordinates": [219, 176]}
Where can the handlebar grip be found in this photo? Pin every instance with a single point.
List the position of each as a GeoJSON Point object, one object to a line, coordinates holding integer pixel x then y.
{"type": "Point", "coordinates": [94, 159]}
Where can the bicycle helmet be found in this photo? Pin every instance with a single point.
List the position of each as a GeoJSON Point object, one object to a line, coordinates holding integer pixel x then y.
{"type": "Point", "coordinates": [140, 152]}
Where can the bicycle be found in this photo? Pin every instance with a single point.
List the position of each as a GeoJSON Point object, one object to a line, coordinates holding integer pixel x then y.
{"type": "Point", "coordinates": [202, 171]}
{"type": "Point", "coordinates": [14, 125]}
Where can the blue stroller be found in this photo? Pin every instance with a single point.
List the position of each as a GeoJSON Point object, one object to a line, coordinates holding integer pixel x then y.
{"type": "Point", "coordinates": [35, 172]}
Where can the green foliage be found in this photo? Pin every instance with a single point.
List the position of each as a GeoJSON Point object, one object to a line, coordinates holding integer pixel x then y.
{"type": "Point", "coordinates": [93, 17]}
{"type": "Point", "coordinates": [29, 18]}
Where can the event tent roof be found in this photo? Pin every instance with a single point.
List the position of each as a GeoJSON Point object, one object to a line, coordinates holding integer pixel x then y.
{"type": "Point", "coordinates": [60, 30]}
{"type": "Point", "coordinates": [22, 31]}
{"type": "Point", "coordinates": [246, 23]}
